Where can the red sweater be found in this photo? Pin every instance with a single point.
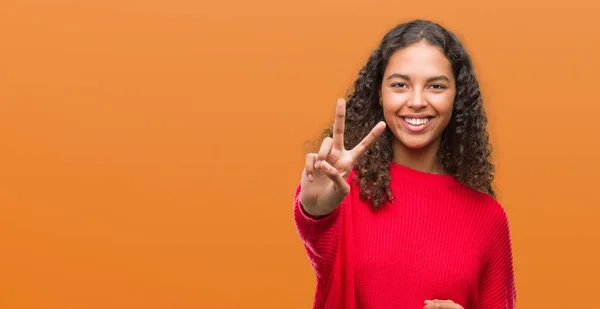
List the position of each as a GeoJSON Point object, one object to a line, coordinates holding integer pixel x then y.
{"type": "Point", "coordinates": [438, 239]}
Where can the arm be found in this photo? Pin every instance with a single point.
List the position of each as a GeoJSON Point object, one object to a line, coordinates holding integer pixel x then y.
{"type": "Point", "coordinates": [320, 235]}
{"type": "Point", "coordinates": [320, 199]}
{"type": "Point", "coordinates": [497, 286]}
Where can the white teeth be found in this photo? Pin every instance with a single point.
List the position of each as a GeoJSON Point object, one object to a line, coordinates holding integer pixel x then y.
{"type": "Point", "coordinates": [417, 121]}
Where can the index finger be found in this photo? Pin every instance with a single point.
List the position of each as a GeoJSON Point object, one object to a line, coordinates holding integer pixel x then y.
{"type": "Point", "coordinates": [368, 141]}
{"type": "Point", "coordinates": [338, 124]}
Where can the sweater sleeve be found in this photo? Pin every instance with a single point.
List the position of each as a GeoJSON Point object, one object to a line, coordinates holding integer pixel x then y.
{"type": "Point", "coordinates": [320, 236]}
{"type": "Point", "coordinates": [497, 285]}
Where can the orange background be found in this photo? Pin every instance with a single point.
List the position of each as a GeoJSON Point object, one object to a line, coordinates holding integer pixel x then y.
{"type": "Point", "coordinates": [149, 149]}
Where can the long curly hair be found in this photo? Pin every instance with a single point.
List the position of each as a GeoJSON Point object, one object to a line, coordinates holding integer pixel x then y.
{"type": "Point", "coordinates": [464, 151]}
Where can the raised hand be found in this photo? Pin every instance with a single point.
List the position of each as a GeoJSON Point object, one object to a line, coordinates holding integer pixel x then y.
{"type": "Point", "coordinates": [324, 184]}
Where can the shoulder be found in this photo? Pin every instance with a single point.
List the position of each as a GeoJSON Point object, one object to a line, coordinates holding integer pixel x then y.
{"type": "Point", "coordinates": [488, 205]}
{"type": "Point", "coordinates": [494, 208]}
{"type": "Point", "coordinates": [494, 222]}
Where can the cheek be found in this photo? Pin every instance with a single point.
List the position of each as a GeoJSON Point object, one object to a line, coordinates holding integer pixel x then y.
{"type": "Point", "coordinates": [394, 102]}
{"type": "Point", "coordinates": [390, 111]}
{"type": "Point", "coordinates": [443, 105]}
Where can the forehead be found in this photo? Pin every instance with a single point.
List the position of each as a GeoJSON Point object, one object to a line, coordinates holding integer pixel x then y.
{"type": "Point", "coordinates": [419, 60]}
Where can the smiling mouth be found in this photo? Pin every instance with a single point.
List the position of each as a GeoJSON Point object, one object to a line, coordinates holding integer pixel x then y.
{"type": "Point", "coordinates": [417, 121]}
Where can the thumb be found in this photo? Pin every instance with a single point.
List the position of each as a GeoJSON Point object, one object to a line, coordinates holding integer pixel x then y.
{"type": "Point", "coordinates": [335, 176]}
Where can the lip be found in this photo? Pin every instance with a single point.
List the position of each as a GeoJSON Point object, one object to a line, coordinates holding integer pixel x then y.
{"type": "Point", "coordinates": [414, 128]}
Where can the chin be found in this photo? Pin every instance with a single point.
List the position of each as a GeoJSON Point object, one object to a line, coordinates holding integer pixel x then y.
{"type": "Point", "coordinates": [415, 146]}
{"type": "Point", "coordinates": [415, 143]}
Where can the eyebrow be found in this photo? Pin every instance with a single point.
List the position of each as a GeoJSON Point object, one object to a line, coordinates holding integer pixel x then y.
{"type": "Point", "coordinates": [429, 80]}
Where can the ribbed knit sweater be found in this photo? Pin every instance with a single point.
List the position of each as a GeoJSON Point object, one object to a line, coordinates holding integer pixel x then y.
{"type": "Point", "coordinates": [438, 239]}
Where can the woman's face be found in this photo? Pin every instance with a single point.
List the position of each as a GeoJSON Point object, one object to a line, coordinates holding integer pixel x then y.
{"type": "Point", "coordinates": [417, 93]}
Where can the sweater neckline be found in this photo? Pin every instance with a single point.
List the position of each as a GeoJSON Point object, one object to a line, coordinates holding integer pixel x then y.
{"type": "Point", "coordinates": [420, 177]}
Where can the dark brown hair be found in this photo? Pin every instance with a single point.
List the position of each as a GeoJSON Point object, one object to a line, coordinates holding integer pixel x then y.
{"type": "Point", "coordinates": [464, 150]}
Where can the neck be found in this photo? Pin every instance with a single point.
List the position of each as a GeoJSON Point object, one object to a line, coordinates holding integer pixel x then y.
{"type": "Point", "coordinates": [425, 159]}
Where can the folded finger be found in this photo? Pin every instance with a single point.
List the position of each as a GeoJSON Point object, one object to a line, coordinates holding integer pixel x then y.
{"type": "Point", "coordinates": [342, 186]}
{"type": "Point", "coordinates": [325, 149]}
{"type": "Point", "coordinates": [309, 165]}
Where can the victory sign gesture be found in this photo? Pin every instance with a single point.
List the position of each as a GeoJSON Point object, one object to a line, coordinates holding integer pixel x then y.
{"type": "Point", "coordinates": [324, 184]}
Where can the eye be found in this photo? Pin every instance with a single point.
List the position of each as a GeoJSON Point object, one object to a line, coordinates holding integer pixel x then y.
{"type": "Point", "coordinates": [398, 85]}
{"type": "Point", "coordinates": [438, 86]}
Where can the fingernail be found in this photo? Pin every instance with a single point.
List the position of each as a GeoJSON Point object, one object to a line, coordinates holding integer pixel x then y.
{"type": "Point", "coordinates": [317, 164]}
{"type": "Point", "coordinates": [310, 177]}
{"type": "Point", "coordinates": [428, 302]}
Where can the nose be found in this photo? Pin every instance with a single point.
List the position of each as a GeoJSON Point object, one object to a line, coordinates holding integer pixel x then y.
{"type": "Point", "coordinates": [417, 100]}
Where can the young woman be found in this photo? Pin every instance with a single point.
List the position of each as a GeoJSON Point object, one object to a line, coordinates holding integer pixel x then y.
{"type": "Point", "coordinates": [396, 209]}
